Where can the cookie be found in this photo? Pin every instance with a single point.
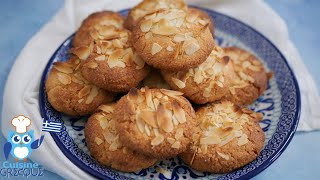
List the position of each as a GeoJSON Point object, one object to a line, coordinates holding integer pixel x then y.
{"type": "Point", "coordinates": [208, 82]}
{"type": "Point", "coordinates": [228, 138]}
{"type": "Point", "coordinates": [70, 93]}
{"type": "Point", "coordinates": [155, 122]}
{"type": "Point", "coordinates": [155, 80]}
{"type": "Point", "coordinates": [112, 63]}
{"type": "Point", "coordinates": [85, 36]}
{"type": "Point", "coordinates": [149, 6]}
{"type": "Point", "coordinates": [104, 145]}
{"type": "Point", "coordinates": [251, 77]}
{"type": "Point", "coordinates": [203, 15]}
{"type": "Point", "coordinates": [173, 39]}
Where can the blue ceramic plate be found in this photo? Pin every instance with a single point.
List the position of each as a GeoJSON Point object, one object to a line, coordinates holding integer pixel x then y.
{"type": "Point", "coordinates": [280, 105]}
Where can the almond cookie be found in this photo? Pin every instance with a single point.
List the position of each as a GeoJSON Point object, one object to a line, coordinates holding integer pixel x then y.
{"type": "Point", "coordinates": [86, 34]}
{"type": "Point", "coordinates": [208, 82]}
{"type": "Point", "coordinates": [104, 145]}
{"type": "Point", "coordinates": [112, 64]}
{"type": "Point", "coordinates": [228, 138]}
{"type": "Point", "coordinates": [149, 6]}
{"type": "Point", "coordinates": [251, 77]}
{"type": "Point", "coordinates": [173, 39]}
{"type": "Point", "coordinates": [155, 80]}
{"type": "Point", "coordinates": [70, 93]}
{"type": "Point", "coordinates": [155, 122]}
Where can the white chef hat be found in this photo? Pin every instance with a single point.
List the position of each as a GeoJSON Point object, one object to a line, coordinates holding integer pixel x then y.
{"type": "Point", "coordinates": [21, 123]}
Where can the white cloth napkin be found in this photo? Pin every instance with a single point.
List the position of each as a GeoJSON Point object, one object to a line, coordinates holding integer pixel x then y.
{"type": "Point", "coordinates": [21, 91]}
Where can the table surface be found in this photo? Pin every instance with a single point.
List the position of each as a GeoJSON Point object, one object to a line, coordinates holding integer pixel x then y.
{"type": "Point", "coordinates": [20, 20]}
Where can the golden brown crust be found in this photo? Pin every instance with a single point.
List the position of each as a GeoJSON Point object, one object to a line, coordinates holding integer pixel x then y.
{"type": "Point", "coordinates": [150, 6]}
{"type": "Point", "coordinates": [158, 123]}
{"type": "Point", "coordinates": [83, 37]}
{"type": "Point", "coordinates": [251, 78]}
{"type": "Point", "coordinates": [217, 153]}
{"type": "Point", "coordinates": [173, 39]}
{"type": "Point", "coordinates": [70, 93]}
{"type": "Point", "coordinates": [208, 82]}
{"type": "Point", "coordinates": [112, 64]}
{"type": "Point", "coordinates": [104, 145]}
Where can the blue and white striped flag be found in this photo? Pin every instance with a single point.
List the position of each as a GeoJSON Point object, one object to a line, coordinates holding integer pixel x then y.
{"type": "Point", "coordinates": [51, 126]}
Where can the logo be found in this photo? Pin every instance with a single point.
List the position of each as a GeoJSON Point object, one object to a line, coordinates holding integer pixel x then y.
{"type": "Point", "coordinates": [20, 144]}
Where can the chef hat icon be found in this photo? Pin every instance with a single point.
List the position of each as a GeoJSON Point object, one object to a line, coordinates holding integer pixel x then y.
{"type": "Point", "coordinates": [21, 123]}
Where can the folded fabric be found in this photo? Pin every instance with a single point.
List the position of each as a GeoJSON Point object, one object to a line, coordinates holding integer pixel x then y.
{"type": "Point", "coordinates": [21, 91]}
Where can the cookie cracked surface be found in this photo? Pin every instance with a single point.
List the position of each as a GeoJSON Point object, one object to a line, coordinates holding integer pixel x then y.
{"type": "Point", "coordinates": [155, 122]}
{"type": "Point", "coordinates": [70, 93]}
{"type": "Point", "coordinates": [228, 138]}
{"type": "Point", "coordinates": [251, 78]}
{"type": "Point", "coordinates": [105, 146]}
{"type": "Point", "coordinates": [173, 39]}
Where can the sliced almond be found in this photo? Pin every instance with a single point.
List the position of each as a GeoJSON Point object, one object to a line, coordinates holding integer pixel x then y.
{"type": "Point", "coordinates": [84, 91]}
{"type": "Point", "coordinates": [246, 64]}
{"type": "Point", "coordinates": [156, 132]}
{"type": "Point", "coordinates": [191, 47]}
{"type": "Point", "coordinates": [198, 78]}
{"type": "Point", "coordinates": [93, 93]}
{"type": "Point", "coordinates": [108, 32]}
{"type": "Point", "coordinates": [171, 93]}
{"type": "Point", "coordinates": [82, 52]}
{"type": "Point", "coordinates": [103, 122]}
{"type": "Point", "coordinates": [146, 128]}
{"type": "Point", "coordinates": [100, 58]}
{"type": "Point", "coordinates": [170, 48]}
{"type": "Point", "coordinates": [192, 17]}
{"type": "Point", "coordinates": [178, 112]}
{"type": "Point", "coordinates": [98, 140]}
{"type": "Point", "coordinates": [171, 140]}
{"type": "Point", "coordinates": [176, 145]}
{"type": "Point", "coordinates": [63, 67]}
{"type": "Point", "coordinates": [106, 108]}
{"type": "Point", "coordinates": [157, 140]}
{"type": "Point", "coordinates": [155, 48]}
{"type": "Point", "coordinates": [117, 43]}
{"type": "Point", "coordinates": [140, 125]}
{"type": "Point", "coordinates": [139, 62]}
{"type": "Point", "coordinates": [64, 78]}
{"type": "Point", "coordinates": [149, 117]}
{"type": "Point", "coordinates": [165, 30]}
{"type": "Point", "coordinates": [179, 38]}
{"type": "Point", "coordinates": [243, 140]}
{"type": "Point", "coordinates": [224, 156]}
{"type": "Point", "coordinates": [255, 68]}
{"type": "Point", "coordinates": [76, 80]}
{"type": "Point", "coordinates": [210, 140]}
{"type": "Point", "coordinates": [149, 99]}
{"type": "Point", "coordinates": [202, 22]}
{"type": "Point", "coordinates": [164, 119]}
{"type": "Point", "coordinates": [179, 134]}
{"type": "Point", "coordinates": [80, 100]}
{"type": "Point", "coordinates": [92, 65]}
{"type": "Point", "coordinates": [148, 35]}
{"type": "Point", "coordinates": [146, 25]}
{"type": "Point", "coordinates": [178, 83]}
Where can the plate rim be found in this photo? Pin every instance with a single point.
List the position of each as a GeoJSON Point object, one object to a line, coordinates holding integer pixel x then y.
{"type": "Point", "coordinates": [251, 174]}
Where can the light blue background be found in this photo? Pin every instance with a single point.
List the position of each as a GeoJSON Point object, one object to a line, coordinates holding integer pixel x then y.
{"type": "Point", "coordinates": [21, 19]}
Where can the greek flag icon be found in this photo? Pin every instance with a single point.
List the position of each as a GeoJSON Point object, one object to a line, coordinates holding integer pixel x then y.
{"type": "Point", "coordinates": [51, 126]}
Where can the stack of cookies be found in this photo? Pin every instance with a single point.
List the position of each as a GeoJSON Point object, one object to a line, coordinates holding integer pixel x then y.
{"type": "Point", "coordinates": [158, 86]}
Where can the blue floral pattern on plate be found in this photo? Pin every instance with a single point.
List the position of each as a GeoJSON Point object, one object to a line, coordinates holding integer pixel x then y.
{"type": "Point", "coordinates": [280, 105]}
